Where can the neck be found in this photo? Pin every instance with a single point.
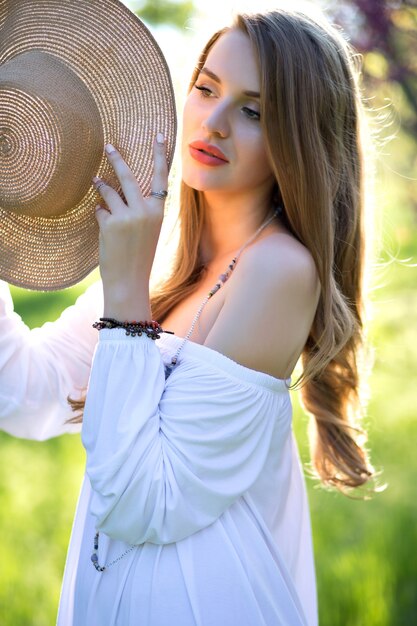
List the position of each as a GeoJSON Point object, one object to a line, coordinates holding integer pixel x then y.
{"type": "Point", "coordinates": [229, 223]}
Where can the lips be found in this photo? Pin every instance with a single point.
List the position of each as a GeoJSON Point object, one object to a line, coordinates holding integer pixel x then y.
{"type": "Point", "coordinates": [207, 153]}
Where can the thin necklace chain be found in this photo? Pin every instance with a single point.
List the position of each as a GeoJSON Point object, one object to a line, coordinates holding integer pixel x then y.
{"type": "Point", "coordinates": [168, 369]}
{"type": "Point", "coordinates": [221, 280]}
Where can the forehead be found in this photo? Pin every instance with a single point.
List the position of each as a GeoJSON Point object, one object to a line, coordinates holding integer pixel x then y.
{"type": "Point", "coordinates": [233, 59]}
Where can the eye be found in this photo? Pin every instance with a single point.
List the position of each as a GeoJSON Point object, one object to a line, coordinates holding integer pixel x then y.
{"type": "Point", "coordinates": [205, 91]}
{"type": "Point", "coordinates": [251, 114]}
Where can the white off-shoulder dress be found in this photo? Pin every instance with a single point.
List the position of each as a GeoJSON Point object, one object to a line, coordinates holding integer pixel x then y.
{"type": "Point", "coordinates": [200, 472]}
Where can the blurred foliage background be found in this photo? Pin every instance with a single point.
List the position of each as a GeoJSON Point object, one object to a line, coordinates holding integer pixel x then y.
{"type": "Point", "coordinates": [365, 550]}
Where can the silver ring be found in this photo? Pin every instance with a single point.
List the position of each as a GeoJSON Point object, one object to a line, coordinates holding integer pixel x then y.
{"type": "Point", "coordinates": [162, 194]}
{"type": "Point", "coordinates": [100, 185]}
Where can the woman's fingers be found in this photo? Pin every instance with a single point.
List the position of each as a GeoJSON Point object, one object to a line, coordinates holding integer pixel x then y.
{"type": "Point", "coordinates": [102, 215]}
{"type": "Point", "coordinates": [109, 195]}
{"type": "Point", "coordinates": [128, 182]}
{"type": "Point", "coordinates": [160, 168]}
{"type": "Point", "coordinates": [130, 226]}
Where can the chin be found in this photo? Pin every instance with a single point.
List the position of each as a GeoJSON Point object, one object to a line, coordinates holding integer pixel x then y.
{"type": "Point", "coordinates": [202, 178]}
{"type": "Point", "coordinates": [200, 183]}
{"type": "Point", "coordinates": [205, 188]}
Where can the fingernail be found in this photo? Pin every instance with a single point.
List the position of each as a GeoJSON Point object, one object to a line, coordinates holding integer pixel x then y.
{"type": "Point", "coordinates": [109, 148]}
{"type": "Point", "coordinates": [95, 180]}
{"type": "Point", "coordinates": [160, 139]}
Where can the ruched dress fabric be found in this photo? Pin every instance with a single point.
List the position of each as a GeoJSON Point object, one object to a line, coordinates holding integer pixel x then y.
{"type": "Point", "coordinates": [200, 472]}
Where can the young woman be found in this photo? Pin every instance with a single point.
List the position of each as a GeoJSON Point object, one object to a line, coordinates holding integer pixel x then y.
{"type": "Point", "coordinates": [193, 510]}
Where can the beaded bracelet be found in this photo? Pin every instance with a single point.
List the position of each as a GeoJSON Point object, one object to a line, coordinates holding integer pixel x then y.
{"type": "Point", "coordinates": [151, 329]}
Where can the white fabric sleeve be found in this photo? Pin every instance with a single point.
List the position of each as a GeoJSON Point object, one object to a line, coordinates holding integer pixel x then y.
{"type": "Point", "coordinates": [166, 459]}
{"type": "Point", "coordinates": [39, 368]}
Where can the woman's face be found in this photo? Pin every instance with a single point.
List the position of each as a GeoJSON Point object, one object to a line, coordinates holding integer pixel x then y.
{"type": "Point", "coordinates": [222, 143]}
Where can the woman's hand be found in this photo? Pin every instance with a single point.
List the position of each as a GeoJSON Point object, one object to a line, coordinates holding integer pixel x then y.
{"type": "Point", "coordinates": [129, 235]}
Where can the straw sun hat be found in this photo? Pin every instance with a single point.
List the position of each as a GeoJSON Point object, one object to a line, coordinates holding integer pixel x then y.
{"type": "Point", "coordinates": [74, 75]}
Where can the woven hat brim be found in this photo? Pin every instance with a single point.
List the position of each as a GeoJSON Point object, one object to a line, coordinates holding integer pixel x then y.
{"type": "Point", "coordinates": [56, 253]}
{"type": "Point", "coordinates": [122, 66]}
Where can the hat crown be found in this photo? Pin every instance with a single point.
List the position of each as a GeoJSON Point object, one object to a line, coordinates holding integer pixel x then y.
{"type": "Point", "coordinates": [50, 131]}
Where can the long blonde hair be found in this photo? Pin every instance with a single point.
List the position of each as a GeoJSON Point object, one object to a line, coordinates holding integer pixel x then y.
{"type": "Point", "coordinates": [311, 114]}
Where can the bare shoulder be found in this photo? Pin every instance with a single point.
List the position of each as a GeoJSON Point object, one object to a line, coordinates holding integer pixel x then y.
{"type": "Point", "coordinates": [270, 306]}
{"type": "Point", "coordinates": [282, 259]}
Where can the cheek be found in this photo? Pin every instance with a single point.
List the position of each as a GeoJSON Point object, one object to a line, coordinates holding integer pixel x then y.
{"type": "Point", "coordinates": [185, 122]}
{"type": "Point", "coordinates": [189, 123]}
{"type": "Point", "coordinates": [192, 110]}
{"type": "Point", "coordinates": [253, 153]}
{"type": "Point", "coordinates": [190, 117]}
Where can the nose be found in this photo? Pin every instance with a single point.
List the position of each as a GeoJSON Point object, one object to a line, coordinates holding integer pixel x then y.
{"type": "Point", "coordinates": [217, 121]}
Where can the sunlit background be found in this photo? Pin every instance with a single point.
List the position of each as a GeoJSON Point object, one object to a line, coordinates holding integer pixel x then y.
{"type": "Point", "coordinates": [365, 550]}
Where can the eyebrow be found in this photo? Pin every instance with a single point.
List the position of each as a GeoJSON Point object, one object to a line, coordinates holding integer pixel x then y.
{"type": "Point", "coordinates": [213, 76]}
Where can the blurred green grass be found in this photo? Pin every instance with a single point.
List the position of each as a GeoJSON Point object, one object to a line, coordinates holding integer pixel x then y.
{"type": "Point", "coordinates": [365, 550]}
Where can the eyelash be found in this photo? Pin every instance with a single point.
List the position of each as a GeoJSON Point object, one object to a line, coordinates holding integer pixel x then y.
{"type": "Point", "coordinates": [206, 92]}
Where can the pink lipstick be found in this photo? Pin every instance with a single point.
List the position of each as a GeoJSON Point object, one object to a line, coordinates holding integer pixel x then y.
{"type": "Point", "coordinates": [207, 153]}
